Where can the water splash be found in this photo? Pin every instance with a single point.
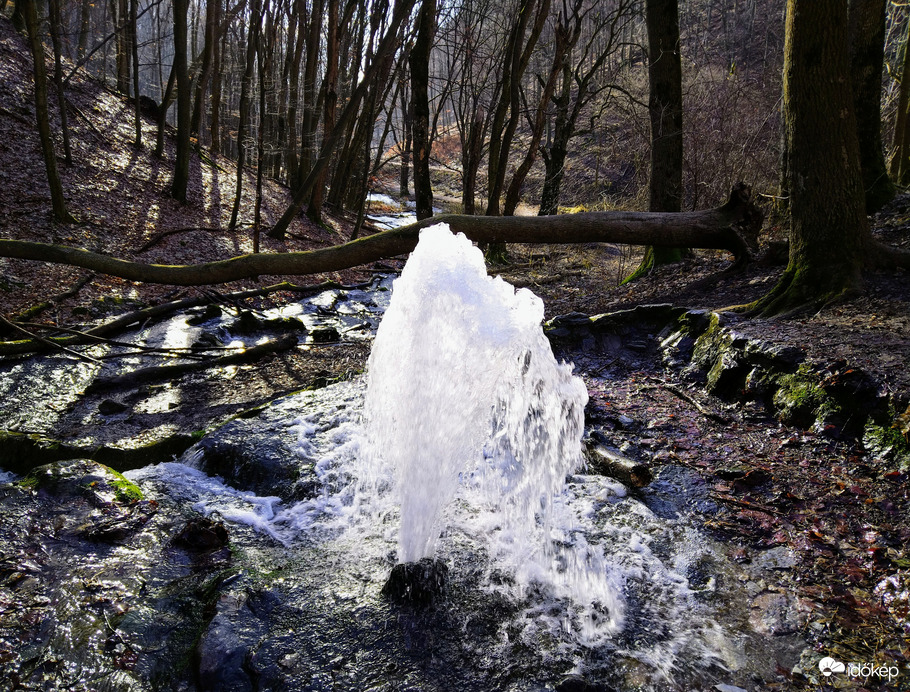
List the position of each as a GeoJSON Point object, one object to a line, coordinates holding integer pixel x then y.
{"type": "Point", "coordinates": [464, 395]}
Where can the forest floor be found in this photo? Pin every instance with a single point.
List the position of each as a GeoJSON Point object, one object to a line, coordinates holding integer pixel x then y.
{"type": "Point", "coordinates": [843, 511]}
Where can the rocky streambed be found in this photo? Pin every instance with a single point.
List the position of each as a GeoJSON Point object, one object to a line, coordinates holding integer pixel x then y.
{"type": "Point", "coordinates": [233, 567]}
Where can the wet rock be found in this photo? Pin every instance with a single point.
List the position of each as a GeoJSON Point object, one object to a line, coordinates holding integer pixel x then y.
{"type": "Point", "coordinates": [83, 478]}
{"type": "Point", "coordinates": [417, 583]}
{"type": "Point", "coordinates": [677, 491]}
{"type": "Point", "coordinates": [21, 452]}
{"type": "Point", "coordinates": [248, 323]}
{"type": "Point", "coordinates": [625, 334]}
{"type": "Point", "coordinates": [775, 614]}
{"type": "Point", "coordinates": [210, 312]}
{"type": "Point", "coordinates": [776, 558]}
{"type": "Point", "coordinates": [576, 683]}
{"type": "Point", "coordinates": [223, 651]}
{"type": "Point", "coordinates": [202, 535]}
{"type": "Point", "coordinates": [257, 453]}
{"type": "Point", "coordinates": [109, 407]}
{"type": "Point", "coordinates": [324, 335]}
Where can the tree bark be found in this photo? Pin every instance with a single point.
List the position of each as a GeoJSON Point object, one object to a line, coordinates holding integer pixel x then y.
{"type": "Point", "coordinates": [899, 166]}
{"type": "Point", "coordinates": [406, 118]}
{"type": "Point", "coordinates": [246, 84]}
{"type": "Point", "coordinates": [329, 104]}
{"type": "Point", "coordinates": [56, 27]}
{"type": "Point", "coordinates": [184, 96]}
{"type": "Point", "coordinates": [665, 111]}
{"type": "Point", "coordinates": [867, 54]}
{"type": "Point", "coordinates": [733, 226]}
{"type": "Point", "coordinates": [829, 231]}
{"type": "Point", "coordinates": [30, 15]}
{"type": "Point", "coordinates": [134, 56]}
{"type": "Point", "coordinates": [419, 62]}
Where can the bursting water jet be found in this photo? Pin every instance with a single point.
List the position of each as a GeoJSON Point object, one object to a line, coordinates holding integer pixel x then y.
{"type": "Point", "coordinates": [464, 394]}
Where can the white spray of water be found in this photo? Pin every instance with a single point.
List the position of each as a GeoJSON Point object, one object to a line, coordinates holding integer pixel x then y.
{"type": "Point", "coordinates": [464, 395]}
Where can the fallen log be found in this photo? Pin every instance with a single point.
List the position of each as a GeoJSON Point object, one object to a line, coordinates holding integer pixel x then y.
{"type": "Point", "coordinates": [733, 226]}
{"type": "Point", "coordinates": [609, 462]}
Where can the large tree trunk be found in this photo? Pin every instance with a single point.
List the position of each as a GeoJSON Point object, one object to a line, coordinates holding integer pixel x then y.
{"type": "Point", "coordinates": [665, 111]}
{"type": "Point", "coordinates": [829, 231]}
{"type": "Point", "coordinates": [419, 62]}
{"type": "Point", "coordinates": [30, 16]}
{"type": "Point", "coordinates": [867, 54]}
{"type": "Point", "coordinates": [899, 165]}
{"type": "Point", "coordinates": [733, 227]}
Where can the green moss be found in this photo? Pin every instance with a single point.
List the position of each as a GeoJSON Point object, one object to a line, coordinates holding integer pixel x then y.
{"type": "Point", "coordinates": [800, 400]}
{"type": "Point", "coordinates": [30, 482]}
{"type": "Point", "coordinates": [125, 489]}
{"type": "Point", "coordinates": [887, 441]}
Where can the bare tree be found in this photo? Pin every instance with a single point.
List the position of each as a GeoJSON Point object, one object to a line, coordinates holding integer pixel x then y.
{"type": "Point", "coordinates": [30, 16]}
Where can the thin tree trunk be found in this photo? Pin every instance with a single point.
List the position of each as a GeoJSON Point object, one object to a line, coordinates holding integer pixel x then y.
{"type": "Point", "coordinates": [205, 71]}
{"type": "Point", "coordinates": [264, 59]}
{"type": "Point", "coordinates": [55, 24]}
{"type": "Point", "coordinates": [251, 47]}
{"type": "Point", "coordinates": [329, 105]}
{"type": "Point", "coordinates": [215, 124]}
{"type": "Point", "coordinates": [419, 61]}
{"type": "Point", "coordinates": [85, 17]}
{"type": "Point", "coordinates": [403, 187]}
{"type": "Point", "coordinates": [184, 97]}
{"type": "Point", "coordinates": [134, 52]}
{"type": "Point", "coordinates": [163, 109]}
{"type": "Point", "coordinates": [30, 16]}
{"type": "Point", "coordinates": [386, 49]}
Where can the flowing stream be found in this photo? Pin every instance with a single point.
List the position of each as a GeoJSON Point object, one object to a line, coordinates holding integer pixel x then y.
{"type": "Point", "coordinates": [463, 442]}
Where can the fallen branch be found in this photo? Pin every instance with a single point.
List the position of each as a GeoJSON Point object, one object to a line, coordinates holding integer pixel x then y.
{"type": "Point", "coordinates": [169, 372]}
{"type": "Point", "coordinates": [48, 342]}
{"type": "Point", "coordinates": [732, 227]}
{"type": "Point", "coordinates": [702, 409]}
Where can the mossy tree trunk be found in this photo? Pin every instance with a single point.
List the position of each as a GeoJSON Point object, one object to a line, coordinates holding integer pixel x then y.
{"type": "Point", "coordinates": [867, 54]}
{"type": "Point", "coordinates": [829, 231]}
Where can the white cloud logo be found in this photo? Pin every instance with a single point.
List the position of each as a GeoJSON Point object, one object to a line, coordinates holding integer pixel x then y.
{"type": "Point", "coordinates": [828, 666]}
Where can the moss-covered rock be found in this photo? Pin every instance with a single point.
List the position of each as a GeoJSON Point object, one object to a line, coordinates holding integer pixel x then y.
{"type": "Point", "coordinates": [800, 400]}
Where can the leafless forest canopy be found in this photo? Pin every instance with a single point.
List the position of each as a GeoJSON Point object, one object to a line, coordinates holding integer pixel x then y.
{"type": "Point", "coordinates": [527, 98]}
